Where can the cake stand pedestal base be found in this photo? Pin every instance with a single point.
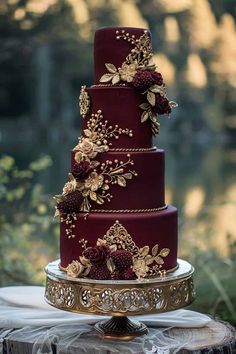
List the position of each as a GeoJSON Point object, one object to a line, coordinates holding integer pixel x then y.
{"type": "Point", "coordinates": [121, 328]}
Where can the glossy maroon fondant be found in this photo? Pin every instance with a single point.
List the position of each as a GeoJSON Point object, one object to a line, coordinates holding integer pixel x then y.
{"type": "Point", "coordinates": [144, 228]}
{"type": "Point", "coordinates": [109, 49]}
{"type": "Point", "coordinates": [120, 105]}
{"type": "Point", "coordinates": [144, 191]}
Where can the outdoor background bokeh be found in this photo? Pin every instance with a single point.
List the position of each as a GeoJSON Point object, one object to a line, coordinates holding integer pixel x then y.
{"type": "Point", "coordinates": [46, 55]}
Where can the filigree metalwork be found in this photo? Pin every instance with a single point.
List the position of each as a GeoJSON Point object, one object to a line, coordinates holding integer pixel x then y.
{"type": "Point", "coordinates": [61, 295]}
{"type": "Point", "coordinates": [128, 297]}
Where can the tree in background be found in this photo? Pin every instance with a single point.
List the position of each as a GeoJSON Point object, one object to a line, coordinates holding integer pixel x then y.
{"type": "Point", "coordinates": [47, 49]}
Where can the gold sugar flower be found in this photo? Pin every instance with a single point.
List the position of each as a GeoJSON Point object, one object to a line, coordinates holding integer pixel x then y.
{"type": "Point", "coordinates": [127, 71]}
{"type": "Point", "coordinates": [70, 186]}
{"type": "Point", "coordinates": [140, 267]}
{"type": "Point", "coordinates": [74, 269]}
{"type": "Point", "coordinates": [94, 181]}
{"type": "Point", "coordinates": [88, 148]}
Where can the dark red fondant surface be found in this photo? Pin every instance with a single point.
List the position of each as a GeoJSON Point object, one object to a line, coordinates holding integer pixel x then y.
{"type": "Point", "coordinates": [108, 49]}
{"type": "Point", "coordinates": [120, 105]}
{"type": "Point", "coordinates": [144, 228]}
{"type": "Point", "coordinates": [144, 191]}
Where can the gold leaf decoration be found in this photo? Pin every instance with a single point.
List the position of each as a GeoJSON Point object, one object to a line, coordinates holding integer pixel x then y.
{"type": "Point", "coordinates": [154, 250]}
{"type": "Point", "coordinates": [164, 252]}
{"type": "Point", "coordinates": [111, 265]}
{"type": "Point", "coordinates": [106, 78]}
{"type": "Point", "coordinates": [144, 116]}
{"type": "Point", "coordinates": [85, 206]}
{"type": "Point", "coordinates": [93, 196]}
{"type": "Point", "coordinates": [128, 175]}
{"type": "Point", "coordinates": [121, 181]}
{"type": "Point", "coordinates": [151, 98]}
{"type": "Point", "coordinates": [87, 132]}
{"type": "Point", "coordinates": [99, 200]}
{"type": "Point", "coordinates": [105, 187]}
{"type": "Point", "coordinates": [161, 89]}
{"type": "Point", "coordinates": [159, 260]}
{"type": "Point", "coordinates": [116, 171]}
{"type": "Point", "coordinates": [115, 79]}
{"type": "Point", "coordinates": [144, 251]}
{"type": "Point", "coordinates": [111, 68]}
{"type": "Point", "coordinates": [149, 259]}
{"type": "Point", "coordinates": [144, 106]}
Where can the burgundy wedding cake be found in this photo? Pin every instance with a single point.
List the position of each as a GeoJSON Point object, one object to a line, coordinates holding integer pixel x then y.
{"type": "Point", "coordinates": [114, 220]}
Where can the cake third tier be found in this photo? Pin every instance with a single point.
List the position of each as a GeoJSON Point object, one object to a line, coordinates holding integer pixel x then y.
{"type": "Point", "coordinates": [145, 191]}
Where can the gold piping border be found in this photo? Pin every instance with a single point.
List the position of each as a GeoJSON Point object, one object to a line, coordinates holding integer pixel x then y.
{"type": "Point", "coordinates": [134, 149]}
{"type": "Point", "coordinates": [163, 270]}
{"type": "Point", "coordinates": [111, 85]}
{"type": "Point", "coordinates": [129, 210]}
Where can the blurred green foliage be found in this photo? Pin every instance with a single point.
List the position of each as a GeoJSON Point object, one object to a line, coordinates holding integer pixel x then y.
{"type": "Point", "coordinates": [47, 47]}
{"type": "Point", "coordinates": [26, 220]}
{"type": "Point", "coordinates": [214, 282]}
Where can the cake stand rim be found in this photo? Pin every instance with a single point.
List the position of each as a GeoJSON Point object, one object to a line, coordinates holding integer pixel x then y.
{"type": "Point", "coordinates": [167, 278]}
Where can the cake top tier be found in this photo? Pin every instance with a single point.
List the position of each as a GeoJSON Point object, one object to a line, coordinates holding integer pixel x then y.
{"type": "Point", "coordinates": [114, 44]}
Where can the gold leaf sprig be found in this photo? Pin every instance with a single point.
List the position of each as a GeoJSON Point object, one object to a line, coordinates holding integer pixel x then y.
{"type": "Point", "coordinates": [148, 106]}
{"type": "Point", "coordinates": [138, 58]}
{"type": "Point", "coordinates": [143, 259]}
{"type": "Point", "coordinates": [148, 113]}
{"type": "Point", "coordinates": [98, 183]}
{"type": "Point", "coordinates": [69, 219]}
{"type": "Point", "coordinates": [94, 188]}
{"type": "Point", "coordinates": [142, 51]}
{"type": "Point", "coordinates": [97, 134]}
{"type": "Point", "coordinates": [115, 171]}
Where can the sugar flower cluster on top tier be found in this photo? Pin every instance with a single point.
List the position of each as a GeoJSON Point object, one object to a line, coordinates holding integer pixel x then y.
{"type": "Point", "coordinates": [117, 257]}
{"type": "Point", "coordinates": [139, 71]}
{"type": "Point", "coordinates": [90, 179]}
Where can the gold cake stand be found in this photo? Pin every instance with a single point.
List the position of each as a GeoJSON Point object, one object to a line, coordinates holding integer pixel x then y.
{"type": "Point", "coordinates": [120, 298]}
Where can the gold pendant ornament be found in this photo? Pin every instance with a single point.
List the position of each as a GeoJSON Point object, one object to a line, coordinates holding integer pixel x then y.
{"type": "Point", "coordinates": [84, 102]}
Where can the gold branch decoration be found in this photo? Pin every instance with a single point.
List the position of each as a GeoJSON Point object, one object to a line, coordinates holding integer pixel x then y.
{"type": "Point", "coordinates": [138, 70]}
{"type": "Point", "coordinates": [90, 179]}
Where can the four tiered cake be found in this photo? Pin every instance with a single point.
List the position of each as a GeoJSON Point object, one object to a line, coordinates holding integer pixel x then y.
{"type": "Point", "coordinates": [114, 220]}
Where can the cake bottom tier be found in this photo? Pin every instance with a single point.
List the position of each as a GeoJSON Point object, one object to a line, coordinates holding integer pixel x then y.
{"type": "Point", "coordinates": [143, 229]}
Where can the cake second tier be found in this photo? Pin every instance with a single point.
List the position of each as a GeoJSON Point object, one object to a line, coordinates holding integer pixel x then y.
{"type": "Point", "coordinates": [145, 191]}
{"type": "Point", "coordinates": [120, 107]}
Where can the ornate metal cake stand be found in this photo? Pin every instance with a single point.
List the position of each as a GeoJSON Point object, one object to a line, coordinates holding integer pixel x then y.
{"type": "Point", "coordinates": [120, 298]}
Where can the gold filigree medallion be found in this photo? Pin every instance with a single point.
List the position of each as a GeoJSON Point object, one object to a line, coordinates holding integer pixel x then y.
{"type": "Point", "coordinates": [84, 102]}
